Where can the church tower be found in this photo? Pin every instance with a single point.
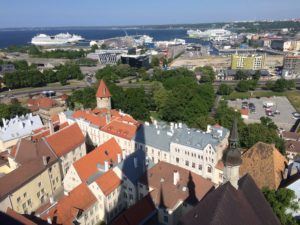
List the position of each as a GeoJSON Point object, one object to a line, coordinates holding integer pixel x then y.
{"type": "Point", "coordinates": [232, 157]}
{"type": "Point", "coordinates": [103, 96]}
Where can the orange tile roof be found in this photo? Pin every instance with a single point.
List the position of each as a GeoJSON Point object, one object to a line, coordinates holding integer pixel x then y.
{"type": "Point", "coordinates": [265, 164]}
{"type": "Point", "coordinates": [244, 112]}
{"type": "Point", "coordinates": [42, 102]}
{"type": "Point", "coordinates": [121, 129]}
{"type": "Point", "coordinates": [160, 178]}
{"type": "Point", "coordinates": [103, 91]}
{"type": "Point", "coordinates": [108, 182]}
{"type": "Point", "coordinates": [40, 135]}
{"type": "Point", "coordinates": [92, 118]}
{"type": "Point", "coordinates": [66, 139]}
{"type": "Point", "coordinates": [87, 165]}
{"type": "Point", "coordinates": [220, 165]}
{"type": "Point", "coordinates": [55, 119]}
{"type": "Point", "coordinates": [68, 207]}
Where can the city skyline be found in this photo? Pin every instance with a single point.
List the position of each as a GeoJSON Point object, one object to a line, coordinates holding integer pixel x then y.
{"type": "Point", "coordinates": [116, 13]}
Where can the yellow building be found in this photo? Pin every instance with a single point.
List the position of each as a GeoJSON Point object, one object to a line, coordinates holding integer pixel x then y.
{"type": "Point", "coordinates": [35, 178]}
{"type": "Point", "coordinates": [247, 62]}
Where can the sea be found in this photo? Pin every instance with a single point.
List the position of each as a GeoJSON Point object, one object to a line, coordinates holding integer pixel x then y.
{"type": "Point", "coordinates": [20, 37]}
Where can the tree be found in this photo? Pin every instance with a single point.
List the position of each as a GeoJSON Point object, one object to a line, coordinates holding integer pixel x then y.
{"type": "Point", "coordinates": [257, 75]}
{"type": "Point", "coordinates": [94, 48]}
{"type": "Point", "coordinates": [240, 75]}
{"type": "Point", "coordinates": [136, 104]}
{"type": "Point", "coordinates": [243, 86]}
{"type": "Point", "coordinates": [280, 201]}
{"type": "Point", "coordinates": [207, 73]}
{"type": "Point", "coordinates": [290, 84]}
{"type": "Point", "coordinates": [224, 89]}
{"type": "Point", "coordinates": [155, 61]}
{"type": "Point", "coordinates": [83, 98]}
{"type": "Point", "coordinates": [253, 133]}
{"type": "Point", "coordinates": [269, 85]}
{"type": "Point", "coordinates": [268, 122]}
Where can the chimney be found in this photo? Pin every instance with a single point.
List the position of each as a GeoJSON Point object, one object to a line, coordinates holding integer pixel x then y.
{"type": "Point", "coordinates": [66, 193]}
{"type": "Point", "coordinates": [135, 162]}
{"type": "Point", "coordinates": [176, 177]}
{"type": "Point", "coordinates": [124, 154]}
{"type": "Point", "coordinates": [45, 161]}
{"type": "Point", "coordinates": [106, 166]}
{"type": "Point", "coordinates": [4, 122]}
{"type": "Point", "coordinates": [51, 200]}
{"type": "Point", "coordinates": [49, 220]}
{"type": "Point", "coordinates": [108, 117]}
{"type": "Point", "coordinates": [158, 132]}
{"type": "Point", "coordinates": [51, 128]}
{"type": "Point", "coordinates": [119, 158]}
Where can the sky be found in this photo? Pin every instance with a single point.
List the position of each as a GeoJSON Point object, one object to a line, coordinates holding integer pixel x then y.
{"type": "Point", "coordinates": [45, 13]}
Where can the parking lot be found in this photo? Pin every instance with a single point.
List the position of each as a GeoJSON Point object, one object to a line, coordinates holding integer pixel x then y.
{"type": "Point", "coordinates": [283, 120]}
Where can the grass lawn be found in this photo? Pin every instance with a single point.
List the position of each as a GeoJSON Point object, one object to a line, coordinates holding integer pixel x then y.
{"type": "Point", "coordinates": [293, 96]}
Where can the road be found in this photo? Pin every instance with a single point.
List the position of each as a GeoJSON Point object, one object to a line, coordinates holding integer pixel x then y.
{"type": "Point", "coordinates": [22, 93]}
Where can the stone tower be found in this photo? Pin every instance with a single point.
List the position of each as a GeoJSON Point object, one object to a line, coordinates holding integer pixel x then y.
{"type": "Point", "coordinates": [232, 157]}
{"type": "Point", "coordinates": [103, 96]}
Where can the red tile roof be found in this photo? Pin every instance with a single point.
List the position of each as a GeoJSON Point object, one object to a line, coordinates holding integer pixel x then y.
{"type": "Point", "coordinates": [41, 102]}
{"type": "Point", "coordinates": [244, 112]}
{"type": "Point", "coordinates": [66, 140]}
{"type": "Point", "coordinates": [160, 178]}
{"type": "Point", "coordinates": [87, 165]}
{"type": "Point", "coordinates": [67, 208]}
{"type": "Point", "coordinates": [92, 118]}
{"type": "Point", "coordinates": [55, 119]}
{"type": "Point", "coordinates": [137, 214]}
{"type": "Point", "coordinates": [108, 182]}
{"type": "Point", "coordinates": [121, 129]}
{"type": "Point", "coordinates": [103, 91]}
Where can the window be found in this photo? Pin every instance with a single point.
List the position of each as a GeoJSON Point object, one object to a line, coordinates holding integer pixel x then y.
{"type": "Point", "coordinates": [39, 184]}
{"type": "Point", "coordinates": [177, 160]}
{"type": "Point", "coordinates": [187, 163]}
{"type": "Point", "coordinates": [131, 197]}
{"type": "Point", "coordinates": [200, 167]}
{"type": "Point", "coordinates": [209, 169]}
{"type": "Point", "coordinates": [166, 219]}
{"type": "Point", "coordinates": [42, 190]}
{"type": "Point", "coordinates": [141, 196]}
{"type": "Point", "coordinates": [38, 194]}
{"type": "Point", "coordinates": [193, 165]}
{"type": "Point", "coordinates": [25, 194]}
{"type": "Point", "coordinates": [141, 186]}
{"type": "Point", "coordinates": [29, 202]}
{"type": "Point", "coordinates": [24, 205]}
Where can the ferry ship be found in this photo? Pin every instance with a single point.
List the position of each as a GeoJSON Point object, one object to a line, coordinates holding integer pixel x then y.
{"type": "Point", "coordinates": [59, 39]}
{"type": "Point", "coordinates": [212, 34]}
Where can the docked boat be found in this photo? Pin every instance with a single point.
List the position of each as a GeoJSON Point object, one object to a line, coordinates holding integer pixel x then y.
{"type": "Point", "coordinates": [211, 34]}
{"type": "Point", "coordinates": [59, 39]}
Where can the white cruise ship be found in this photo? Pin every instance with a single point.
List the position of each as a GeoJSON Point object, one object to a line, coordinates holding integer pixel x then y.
{"type": "Point", "coordinates": [59, 39]}
{"type": "Point", "coordinates": [212, 34]}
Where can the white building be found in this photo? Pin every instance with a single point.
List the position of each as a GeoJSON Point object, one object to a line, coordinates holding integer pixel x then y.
{"type": "Point", "coordinates": [17, 128]}
{"type": "Point", "coordinates": [195, 150]}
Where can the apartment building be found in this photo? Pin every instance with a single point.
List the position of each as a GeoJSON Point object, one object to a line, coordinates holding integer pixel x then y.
{"type": "Point", "coordinates": [68, 144]}
{"type": "Point", "coordinates": [195, 150]}
{"type": "Point", "coordinates": [98, 161]}
{"type": "Point", "coordinates": [80, 206]}
{"type": "Point", "coordinates": [247, 62]}
{"type": "Point", "coordinates": [174, 190]}
{"type": "Point", "coordinates": [36, 176]}
{"type": "Point", "coordinates": [291, 67]}
{"type": "Point", "coordinates": [17, 128]}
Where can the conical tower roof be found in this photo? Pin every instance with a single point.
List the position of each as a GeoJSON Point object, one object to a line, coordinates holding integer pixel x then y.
{"type": "Point", "coordinates": [103, 91]}
{"type": "Point", "coordinates": [232, 156]}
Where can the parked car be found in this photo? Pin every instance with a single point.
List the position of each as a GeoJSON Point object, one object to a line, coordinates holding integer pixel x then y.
{"type": "Point", "coordinates": [268, 104]}
{"type": "Point", "coordinates": [296, 115]}
{"type": "Point", "coordinates": [244, 105]}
